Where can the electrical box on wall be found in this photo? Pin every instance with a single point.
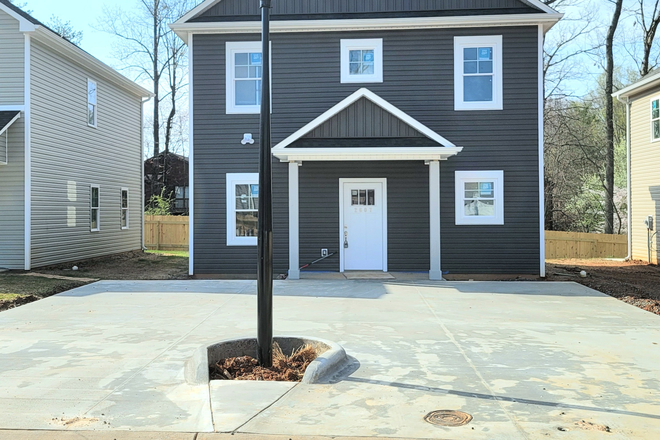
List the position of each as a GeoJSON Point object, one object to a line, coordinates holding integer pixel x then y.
{"type": "Point", "coordinates": [649, 222]}
{"type": "Point", "coordinates": [324, 252]}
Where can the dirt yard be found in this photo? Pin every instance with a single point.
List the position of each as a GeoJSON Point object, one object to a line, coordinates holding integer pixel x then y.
{"type": "Point", "coordinates": [634, 282]}
{"type": "Point", "coordinates": [18, 287]}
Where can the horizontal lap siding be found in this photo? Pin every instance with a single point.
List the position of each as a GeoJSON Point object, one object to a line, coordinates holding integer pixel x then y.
{"type": "Point", "coordinates": [645, 176]}
{"type": "Point", "coordinates": [407, 207]}
{"type": "Point", "coordinates": [12, 199]}
{"type": "Point", "coordinates": [243, 7]}
{"type": "Point", "coordinates": [12, 61]}
{"type": "Point", "coordinates": [68, 156]}
{"type": "Point", "coordinates": [419, 86]}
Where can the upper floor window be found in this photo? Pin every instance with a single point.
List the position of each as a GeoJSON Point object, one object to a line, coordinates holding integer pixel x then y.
{"type": "Point", "coordinates": [479, 197]}
{"type": "Point", "coordinates": [362, 60]}
{"type": "Point", "coordinates": [478, 73]}
{"type": "Point", "coordinates": [91, 103]}
{"type": "Point", "coordinates": [655, 119]}
{"type": "Point", "coordinates": [244, 72]}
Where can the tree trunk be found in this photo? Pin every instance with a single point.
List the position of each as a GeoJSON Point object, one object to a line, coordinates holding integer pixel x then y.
{"type": "Point", "coordinates": [609, 86]}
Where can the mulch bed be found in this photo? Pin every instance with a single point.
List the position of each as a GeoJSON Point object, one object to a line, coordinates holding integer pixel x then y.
{"type": "Point", "coordinates": [285, 368]}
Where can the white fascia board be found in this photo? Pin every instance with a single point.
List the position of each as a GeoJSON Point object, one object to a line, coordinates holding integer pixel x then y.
{"type": "Point", "coordinates": [197, 10]}
{"type": "Point", "coordinates": [638, 87]}
{"type": "Point", "coordinates": [3, 129]}
{"type": "Point", "coordinates": [548, 20]}
{"type": "Point", "coordinates": [366, 153]}
{"type": "Point", "coordinates": [24, 24]}
{"type": "Point", "coordinates": [540, 5]}
{"type": "Point", "coordinates": [359, 94]}
{"type": "Point", "coordinates": [73, 52]}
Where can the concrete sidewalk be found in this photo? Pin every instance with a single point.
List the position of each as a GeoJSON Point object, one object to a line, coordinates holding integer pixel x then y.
{"type": "Point", "coordinates": [526, 360]}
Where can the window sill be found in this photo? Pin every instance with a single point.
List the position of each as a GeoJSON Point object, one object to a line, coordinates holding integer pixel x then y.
{"type": "Point", "coordinates": [240, 242]}
{"type": "Point", "coordinates": [480, 107]}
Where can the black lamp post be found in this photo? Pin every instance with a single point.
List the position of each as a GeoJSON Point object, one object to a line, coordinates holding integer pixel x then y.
{"type": "Point", "coordinates": [265, 227]}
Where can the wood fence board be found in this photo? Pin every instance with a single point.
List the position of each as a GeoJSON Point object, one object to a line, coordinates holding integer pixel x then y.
{"type": "Point", "coordinates": [168, 233]}
{"type": "Point", "coordinates": [561, 245]}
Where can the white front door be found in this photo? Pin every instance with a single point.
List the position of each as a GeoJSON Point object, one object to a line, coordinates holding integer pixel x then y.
{"type": "Point", "coordinates": [364, 227]}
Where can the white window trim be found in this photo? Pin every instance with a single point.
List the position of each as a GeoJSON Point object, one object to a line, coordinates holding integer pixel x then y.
{"type": "Point", "coordinates": [232, 47]}
{"type": "Point", "coordinates": [471, 176]}
{"type": "Point", "coordinates": [96, 105]}
{"type": "Point", "coordinates": [98, 208]}
{"type": "Point", "coordinates": [655, 98]}
{"type": "Point", "coordinates": [234, 179]}
{"type": "Point", "coordinates": [122, 209]}
{"type": "Point", "coordinates": [362, 44]}
{"type": "Point", "coordinates": [494, 41]}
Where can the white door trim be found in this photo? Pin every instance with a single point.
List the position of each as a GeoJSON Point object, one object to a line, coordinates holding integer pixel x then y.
{"type": "Point", "coordinates": [342, 181]}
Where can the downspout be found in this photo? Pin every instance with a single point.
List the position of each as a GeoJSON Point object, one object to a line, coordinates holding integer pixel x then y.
{"type": "Point", "coordinates": [628, 104]}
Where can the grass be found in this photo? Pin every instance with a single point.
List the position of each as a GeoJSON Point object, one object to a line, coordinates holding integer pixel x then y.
{"type": "Point", "coordinates": [9, 296]}
{"type": "Point", "coordinates": [183, 254]}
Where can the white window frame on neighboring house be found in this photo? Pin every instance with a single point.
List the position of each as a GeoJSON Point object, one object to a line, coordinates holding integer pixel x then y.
{"type": "Point", "coordinates": [655, 120]}
{"type": "Point", "coordinates": [94, 211]}
{"type": "Point", "coordinates": [375, 44]}
{"type": "Point", "coordinates": [234, 179]}
{"type": "Point", "coordinates": [92, 103]}
{"type": "Point", "coordinates": [463, 177]}
{"type": "Point", "coordinates": [124, 209]}
{"type": "Point", "coordinates": [232, 48]}
{"type": "Point", "coordinates": [489, 41]}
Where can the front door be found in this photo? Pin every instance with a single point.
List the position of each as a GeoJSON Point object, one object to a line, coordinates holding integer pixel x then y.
{"type": "Point", "coordinates": [364, 234]}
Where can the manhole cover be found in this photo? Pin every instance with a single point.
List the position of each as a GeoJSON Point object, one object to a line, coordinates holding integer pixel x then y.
{"type": "Point", "coordinates": [446, 417]}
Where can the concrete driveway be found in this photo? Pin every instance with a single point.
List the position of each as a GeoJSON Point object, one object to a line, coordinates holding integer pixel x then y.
{"type": "Point", "coordinates": [527, 360]}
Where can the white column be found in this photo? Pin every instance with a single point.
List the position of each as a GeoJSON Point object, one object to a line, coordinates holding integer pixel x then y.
{"type": "Point", "coordinates": [434, 216]}
{"type": "Point", "coordinates": [294, 235]}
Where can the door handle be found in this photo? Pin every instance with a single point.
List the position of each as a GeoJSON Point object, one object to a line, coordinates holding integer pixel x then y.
{"type": "Point", "coordinates": [345, 238]}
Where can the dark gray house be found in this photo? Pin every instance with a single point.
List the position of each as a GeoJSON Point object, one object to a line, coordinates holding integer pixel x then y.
{"type": "Point", "coordinates": [407, 135]}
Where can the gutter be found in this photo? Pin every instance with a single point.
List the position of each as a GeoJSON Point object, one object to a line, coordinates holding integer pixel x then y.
{"type": "Point", "coordinates": [628, 104]}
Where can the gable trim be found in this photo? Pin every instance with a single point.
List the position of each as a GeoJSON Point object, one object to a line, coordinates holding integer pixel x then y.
{"type": "Point", "coordinates": [344, 104]}
{"type": "Point", "coordinates": [24, 24]}
{"type": "Point", "coordinates": [548, 20]}
{"type": "Point", "coordinates": [208, 4]}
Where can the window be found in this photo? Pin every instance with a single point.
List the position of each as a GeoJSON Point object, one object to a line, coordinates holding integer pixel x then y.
{"type": "Point", "coordinates": [479, 197]}
{"type": "Point", "coordinates": [655, 119]}
{"type": "Point", "coordinates": [91, 103]}
{"type": "Point", "coordinates": [364, 197]}
{"type": "Point", "coordinates": [124, 208]}
{"type": "Point", "coordinates": [362, 61]}
{"type": "Point", "coordinates": [478, 73]}
{"type": "Point", "coordinates": [95, 208]}
{"type": "Point", "coordinates": [181, 197]}
{"type": "Point", "coordinates": [244, 71]}
{"type": "Point", "coordinates": [242, 209]}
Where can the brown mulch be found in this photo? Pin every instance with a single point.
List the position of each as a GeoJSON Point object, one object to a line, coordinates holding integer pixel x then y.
{"type": "Point", "coordinates": [285, 368]}
{"type": "Point", "coordinates": [634, 282]}
{"type": "Point", "coordinates": [18, 301]}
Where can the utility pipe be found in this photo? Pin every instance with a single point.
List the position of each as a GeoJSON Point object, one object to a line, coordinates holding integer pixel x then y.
{"type": "Point", "coordinates": [628, 104]}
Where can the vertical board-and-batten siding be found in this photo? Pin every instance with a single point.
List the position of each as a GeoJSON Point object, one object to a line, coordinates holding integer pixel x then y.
{"type": "Point", "coordinates": [68, 156]}
{"type": "Point", "coordinates": [301, 7]}
{"type": "Point", "coordinates": [12, 200]}
{"type": "Point", "coordinates": [362, 119]}
{"type": "Point", "coordinates": [12, 61]}
{"type": "Point", "coordinates": [645, 176]}
{"type": "Point", "coordinates": [420, 86]}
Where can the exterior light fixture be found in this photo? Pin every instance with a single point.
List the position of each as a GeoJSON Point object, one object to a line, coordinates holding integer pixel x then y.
{"type": "Point", "coordinates": [247, 139]}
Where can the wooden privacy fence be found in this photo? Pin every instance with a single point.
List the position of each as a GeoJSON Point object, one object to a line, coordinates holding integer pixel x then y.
{"type": "Point", "coordinates": [170, 233]}
{"type": "Point", "coordinates": [581, 245]}
{"type": "Point", "coordinates": [166, 232]}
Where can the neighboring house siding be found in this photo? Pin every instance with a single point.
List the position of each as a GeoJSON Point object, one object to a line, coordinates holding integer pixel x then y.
{"type": "Point", "coordinates": [423, 87]}
{"type": "Point", "coordinates": [68, 156]}
{"type": "Point", "coordinates": [12, 61]}
{"type": "Point", "coordinates": [302, 7]}
{"type": "Point", "coordinates": [645, 176]}
{"type": "Point", "coordinates": [12, 200]}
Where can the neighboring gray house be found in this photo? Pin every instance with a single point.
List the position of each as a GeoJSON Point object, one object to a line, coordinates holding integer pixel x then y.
{"type": "Point", "coordinates": [71, 150]}
{"type": "Point", "coordinates": [407, 135]}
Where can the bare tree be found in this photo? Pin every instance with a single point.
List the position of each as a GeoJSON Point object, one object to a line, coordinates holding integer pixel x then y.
{"type": "Point", "coordinates": [649, 30]}
{"type": "Point", "coordinates": [65, 30]}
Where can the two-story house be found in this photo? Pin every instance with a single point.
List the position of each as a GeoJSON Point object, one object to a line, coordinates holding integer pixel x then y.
{"type": "Point", "coordinates": [407, 135]}
{"type": "Point", "coordinates": [70, 150]}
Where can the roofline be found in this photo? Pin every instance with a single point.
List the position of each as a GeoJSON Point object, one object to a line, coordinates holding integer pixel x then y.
{"type": "Point", "coordinates": [43, 34]}
{"type": "Point", "coordinates": [208, 4]}
{"type": "Point", "coordinates": [351, 99]}
{"type": "Point", "coordinates": [546, 19]}
{"type": "Point", "coordinates": [366, 154]}
{"type": "Point", "coordinates": [640, 86]}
